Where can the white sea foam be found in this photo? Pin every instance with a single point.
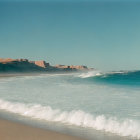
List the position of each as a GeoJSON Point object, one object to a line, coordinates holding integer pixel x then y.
{"type": "Point", "coordinates": [90, 74]}
{"type": "Point", "coordinates": [76, 117]}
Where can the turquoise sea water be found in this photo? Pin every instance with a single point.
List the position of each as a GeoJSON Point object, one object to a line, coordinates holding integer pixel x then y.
{"type": "Point", "coordinates": [108, 102]}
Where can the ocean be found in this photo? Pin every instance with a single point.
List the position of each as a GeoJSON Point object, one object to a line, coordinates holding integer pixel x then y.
{"type": "Point", "coordinates": [87, 103]}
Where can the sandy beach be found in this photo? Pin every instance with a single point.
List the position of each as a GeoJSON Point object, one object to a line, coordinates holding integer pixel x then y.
{"type": "Point", "coordinates": [10, 130]}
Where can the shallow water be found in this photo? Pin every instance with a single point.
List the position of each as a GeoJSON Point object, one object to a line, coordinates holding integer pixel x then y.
{"type": "Point", "coordinates": [108, 102]}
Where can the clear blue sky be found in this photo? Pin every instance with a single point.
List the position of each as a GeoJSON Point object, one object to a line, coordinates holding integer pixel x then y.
{"type": "Point", "coordinates": [104, 35]}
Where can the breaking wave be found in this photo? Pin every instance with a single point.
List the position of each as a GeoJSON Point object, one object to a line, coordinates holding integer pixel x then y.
{"type": "Point", "coordinates": [90, 74]}
{"type": "Point", "coordinates": [120, 77]}
{"type": "Point", "coordinates": [124, 127]}
{"type": "Point", "coordinates": [105, 74]}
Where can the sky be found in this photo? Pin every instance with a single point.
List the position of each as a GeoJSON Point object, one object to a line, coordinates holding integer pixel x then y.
{"type": "Point", "coordinates": [102, 34]}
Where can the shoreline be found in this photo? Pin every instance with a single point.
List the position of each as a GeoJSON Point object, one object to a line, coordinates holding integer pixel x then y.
{"type": "Point", "coordinates": [10, 130]}
{"type": "Point", "coordinates": [36, 73]}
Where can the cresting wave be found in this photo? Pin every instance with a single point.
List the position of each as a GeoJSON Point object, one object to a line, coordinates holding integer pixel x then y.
{"type": "Point", "coordinates": [90, 74]}
{"type": "Point", "coordinates": [99, 73]}
{"type": "Point", "coordinates": [130, 78]}
{"type": "Point", "coordinates": [76, 117]}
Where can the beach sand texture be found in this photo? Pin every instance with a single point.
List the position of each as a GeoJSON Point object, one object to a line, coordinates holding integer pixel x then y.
{"type": "Point", "coordinates": [15, 131]}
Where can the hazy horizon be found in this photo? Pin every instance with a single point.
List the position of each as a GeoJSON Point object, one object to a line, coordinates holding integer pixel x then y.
{"type": "Point", "coordinates": [103, 35]}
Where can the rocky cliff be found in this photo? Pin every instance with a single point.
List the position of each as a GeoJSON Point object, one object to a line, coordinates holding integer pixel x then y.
{"type": "Point", "coordinates": [24, 65]}
{"type": "Point", "coordinates": [72, 67]}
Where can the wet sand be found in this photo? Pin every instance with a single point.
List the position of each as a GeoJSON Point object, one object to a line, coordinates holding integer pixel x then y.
{"type": "Point", "coordinates": [10, 130]}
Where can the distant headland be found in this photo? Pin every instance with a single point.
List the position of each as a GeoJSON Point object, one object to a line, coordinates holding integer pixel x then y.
{"type": "Point", "coordinates": [8, 65]}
